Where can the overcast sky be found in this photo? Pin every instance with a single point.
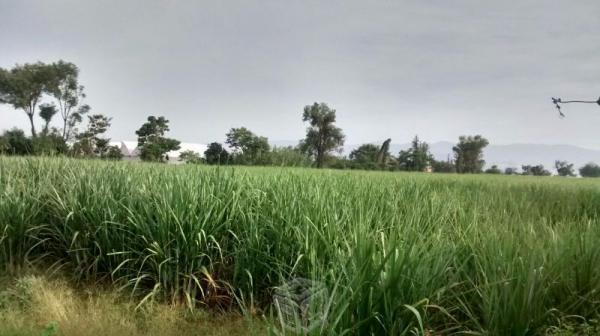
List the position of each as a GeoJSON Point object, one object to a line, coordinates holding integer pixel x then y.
{"type": "Point", "coordinates": [390, 68]}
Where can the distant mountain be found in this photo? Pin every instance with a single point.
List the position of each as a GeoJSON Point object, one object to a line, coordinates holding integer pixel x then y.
{"type": "Point", "coordinates": [513, 155]}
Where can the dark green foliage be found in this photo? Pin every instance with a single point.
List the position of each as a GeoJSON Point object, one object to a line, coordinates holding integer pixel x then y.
{"type": "Point", "coordinates": [151, 141]}
{"type": "Point", "coordinates": [216, 154]}
{"type": "Point", "coordinates": [442, 166]}
{"type": "Point", "coordinates": [248, 147]}
{"type": "Point", "coordinates": [537, 170]}
{"type": "Point", "coordinates": [322, 136]}
{"type": "Point", "coordinates": [365, 157]}
{"type": "Point", "coordinates": [416, 158]}
{"type": "Point", "coordinates": [510, 171]}
{"type": "Point", "coordinates": [384, 157]}
{"type": "Point", "coordinates": [590, 170]}
{"type": "Point", "coordinates": [15, 142]}
{"type": "Point", "coordinates": [50, 144]}
{"type": "Point", "coordinates": [23, 86]}
{"type": "Point", "coordinates": [468, 154]}
{"type": "Point", "coordinates": [564, 168]}
{"type": "Point", "coordinates": [493, 170]}
{"type": "Point", "coordinates": [47, 112]}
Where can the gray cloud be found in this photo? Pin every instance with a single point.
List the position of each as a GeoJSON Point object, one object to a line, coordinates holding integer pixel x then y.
{"type": "Point", "coordinates": [390, 68]}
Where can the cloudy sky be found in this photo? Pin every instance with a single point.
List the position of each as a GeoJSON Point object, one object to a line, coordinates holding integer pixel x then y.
{"type": "Point", "coordinates": [390, 68]}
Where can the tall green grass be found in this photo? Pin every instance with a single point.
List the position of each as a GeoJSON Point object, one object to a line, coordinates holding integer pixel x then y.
{"type": "Point", "coordinates": [398, 253]}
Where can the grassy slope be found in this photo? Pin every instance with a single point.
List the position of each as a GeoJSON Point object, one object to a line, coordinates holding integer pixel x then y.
{"type": "Point", "coordinates": [397, 252]}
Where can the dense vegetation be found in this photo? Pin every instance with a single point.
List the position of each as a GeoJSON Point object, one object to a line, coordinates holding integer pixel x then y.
{"type": "Point", "coordinates": [29, 87]}
{"type": "Point", "coordinates": [392, 253]}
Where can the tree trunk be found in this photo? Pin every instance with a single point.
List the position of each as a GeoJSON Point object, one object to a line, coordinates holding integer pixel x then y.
{"type": "Point", "coordinates": [319, 159]}
{"type": "Point", "coordinates": [33, 134]}
{"type": "Point", "coordinates": [65, 129]}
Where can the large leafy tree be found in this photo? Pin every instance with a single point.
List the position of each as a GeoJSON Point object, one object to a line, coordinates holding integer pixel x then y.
{"type": "Point", "coordinates": [65, 88]}
{"type": "Point", "coordinates": [90, 142]}
{"type": "Point", "coordinates": [152, 142]}
{"type": "Point", "coordinates": [563, 168]}
{"type": "Point", "coordinates": [322, 136]}
{"type": "Point", "coordinates": [537, 170]}
{"type": "Point", "coordinates": [23, 87]}
{"type": "Point", "coordinates": [216, 154]}
{"type": "Point", "coordinates": [365, 156]}
{"type": "Point", "coordinates": [248, 147]}
{"type": "Point", "coordinates": [468, 154]}
{"type": "Point", "coordinates": [416, 158]}
{"type": "Point", "coordinates": [590, 170]}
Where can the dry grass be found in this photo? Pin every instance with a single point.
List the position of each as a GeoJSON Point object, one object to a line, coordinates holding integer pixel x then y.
{"type": "Point", "coordinates": [36, 305]}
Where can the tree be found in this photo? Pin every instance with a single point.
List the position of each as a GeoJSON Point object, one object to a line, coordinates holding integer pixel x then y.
{"type": "Point", "coordinates": [113, 153]}
{"type": "Point", "coordinates": [90, 143]}
{"type": "Point", "coordinates": [442, 166]}
{"type": "Point", "coordinates": [216, 154]}
{"type": "Point", "coordinates": [564, 168]}
{"type": "Point", "coordinates": [365, 156]}
{"type": "Point", "coordinates": [416, 158]}
{"type": "Point", "coordinates": [23, 86]}
{"type": "Point", "coordinates": [468, 154]}
{"type": "Point", "coordinates": [51, 144]}
{"type": "Point", "coordinates": [537, 170]}
{"type": "Point", "coordinates": [47, 111]}
{"type": "Point", "coordinates": [590, 170]}
{"type": "Point", "coordinates": [14, 142]}
{"type": "Point", "coordinates": [248, 147]}
{"type": "Point", "coordinates": [189, 156]}
{"type": "Point", "coordinates": [151, 141]}
{"type": "Point", "coordinates": [493, 170]}
{"type": "Point", "coordinates": [384, 153]}
{"type": "Point", "coordinates": [322, 136]}
{"type": "Point", "coordinates": [510, 171]}
{"type": "Point", "coordinates": [65, 88]}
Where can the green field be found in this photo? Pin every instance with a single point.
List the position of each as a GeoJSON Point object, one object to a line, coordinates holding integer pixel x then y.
{"type": "Point", "coordinates": [396, 253]}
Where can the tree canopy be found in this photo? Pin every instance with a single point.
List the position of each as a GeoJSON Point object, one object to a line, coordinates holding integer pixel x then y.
{"type": "Point", "coordinates": [216, 154]}
{"type": "Point", "coordinates": [23, 87]}
{"type": "Point", "coordinates": [468, 154]}
{"type": "Point", "coordinates": [322, 136]}
{"type": "Point", "coordinates": [152, 143]}
{"type": "Point", "coordinates": [365, 156]}
{"type": "Point", "coordinates": [248, 147]}
{"type": "Point", "coordinates": [537, 170]}
{"type": "Point", "coordinates": [563, 168]}
{"type": "Point", "coordinates": [416, 158]}
{"type": "Point", "coordinates": [590, 170]}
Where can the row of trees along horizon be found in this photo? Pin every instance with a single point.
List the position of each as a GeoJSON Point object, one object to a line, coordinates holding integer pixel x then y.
{"type": "Point", "coordinates": [24, 87]}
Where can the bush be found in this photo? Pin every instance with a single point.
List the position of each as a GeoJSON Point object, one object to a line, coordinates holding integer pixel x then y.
{"type": "Point", "coordinates": [590, 170]}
